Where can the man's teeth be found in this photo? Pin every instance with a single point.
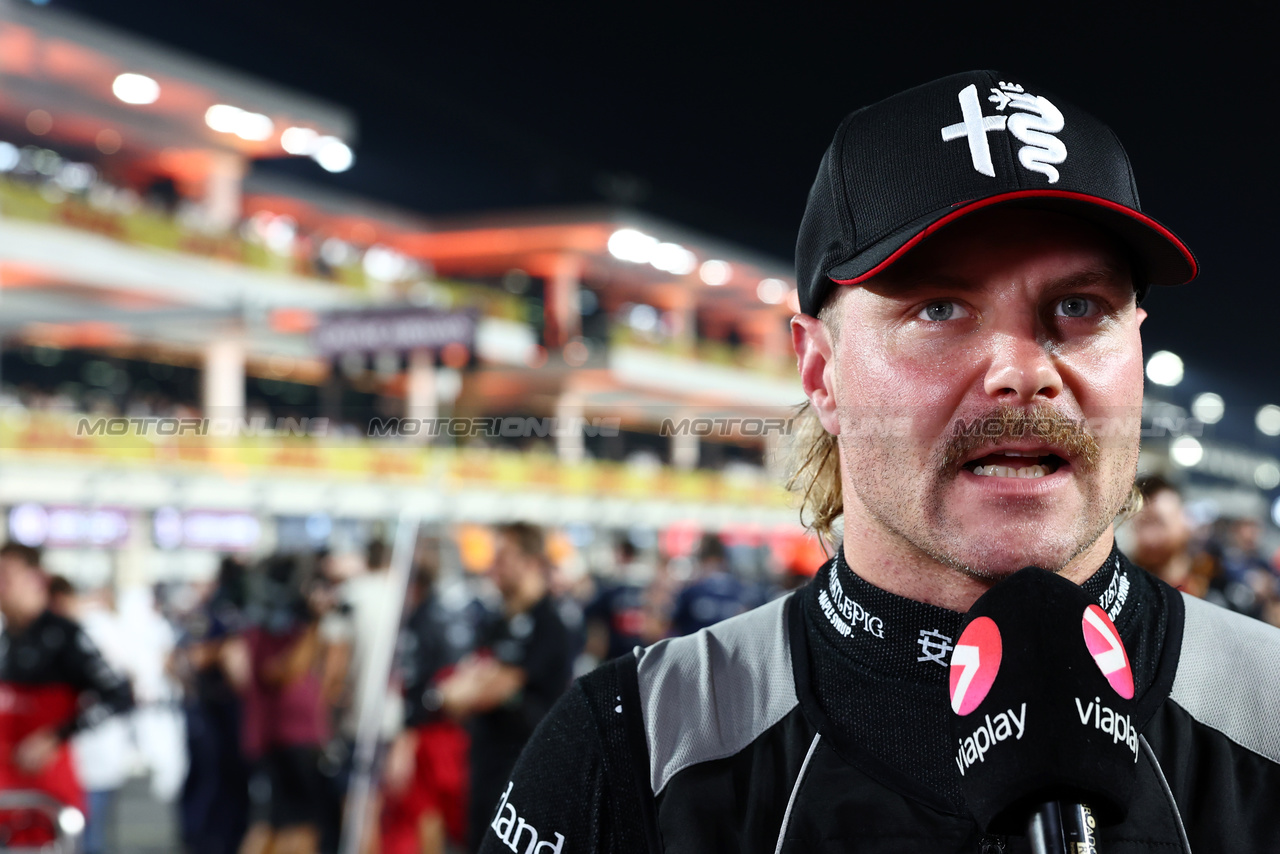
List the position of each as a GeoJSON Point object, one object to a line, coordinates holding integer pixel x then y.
{"type": "Point", "coordinates": [1010, 471]}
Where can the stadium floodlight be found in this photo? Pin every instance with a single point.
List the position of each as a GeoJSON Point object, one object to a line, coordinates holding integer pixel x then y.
{"type": "Point", "coordinates": [222, 117]}
{"type": "Point", "coordinates": [135, 88]}
{"type": "Point", "coordinates": [1267, 475]}
{"type": "Point", "coordinates": [333, 154]}
{"type": "Point", "coordinates": [225, 118]}
{"type": "Point", "coordinates": [1186, 451]}
{"type": "Point", "coordinates": [254, 127]}
{"type": "Point", "coordinates": [715, 272]}
{"type": "Point", "coordinates": [673, 258]}
{"type": "Point", "coordinates": [1268, 420]}
{"type": "Point", "coordinates": [1208, 408]}
{"type": "Point", "coordinates": [1164, 368]}
{"type": "Point", "coordinates": [771, 291]}
{"type": "Point", "coordinates": [627, 244]}
{"type": "Point", "coordinates": [301, 141]}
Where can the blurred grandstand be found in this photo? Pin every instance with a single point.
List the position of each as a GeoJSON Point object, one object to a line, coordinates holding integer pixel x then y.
{"type": "Point", "coordinates": [195, 359]}
{"type": "Point", "coordinates": [348, 360]}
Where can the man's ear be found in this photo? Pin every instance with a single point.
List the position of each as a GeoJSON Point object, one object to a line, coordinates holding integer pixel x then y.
{"type": "Point", "coordinates": [814, 352]}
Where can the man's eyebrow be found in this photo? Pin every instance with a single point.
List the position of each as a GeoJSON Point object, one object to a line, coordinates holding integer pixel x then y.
{"type": "Point", "coordinates": [888, 283]}
{"type": "Point", "coordinates": [1096, 276]}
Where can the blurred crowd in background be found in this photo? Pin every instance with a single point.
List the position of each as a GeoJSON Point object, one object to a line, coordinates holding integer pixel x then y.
{"type": "Point", "coordinates": [249, 693]}
{"type": "Point", "coordinates": [252, 694]}
{"type": "Point", "coordinates": [1220, 559]}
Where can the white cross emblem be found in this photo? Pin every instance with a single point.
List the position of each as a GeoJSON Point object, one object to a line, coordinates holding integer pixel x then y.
{"type": "Point", "coordinates": [1033, 125]}
{"type": "Point", "coordinates": [934, 645]}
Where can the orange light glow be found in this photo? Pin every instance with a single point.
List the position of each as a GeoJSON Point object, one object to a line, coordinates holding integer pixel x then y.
{"type": "Point", "coordinates": [292, 321]}
{"type": "Point", "coordinates": [90, 334]}
{"type": "Point", "coordinates": [455, 355]}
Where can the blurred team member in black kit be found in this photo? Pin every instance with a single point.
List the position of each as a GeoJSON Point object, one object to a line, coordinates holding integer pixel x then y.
{"type": "Point", "coordinates": [523, 665]}
{"type": "Point", "coordinates": [53, 683]}
{"type": "Point", "coordinates": [616, 618]}
{"type": "Point", "coordinates": [214, 669]}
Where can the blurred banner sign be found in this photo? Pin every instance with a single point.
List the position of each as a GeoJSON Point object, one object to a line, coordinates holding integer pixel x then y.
{"type": "Point", "coordinates": [205, 529]}
{"type": "Point", "coordinates": [69, 527]}
{"type": "Point", "coordinates": [400, 329]}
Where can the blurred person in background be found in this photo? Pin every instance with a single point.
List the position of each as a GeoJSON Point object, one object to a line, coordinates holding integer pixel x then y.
{"type": "Point", "coordinates": [713, 595]}
{"type": "Point", "coordinates": [1162, 539]}
{"type": "Point", "coordinates": [1242, 558]}
{"type": "Point", "coordinates": [285, 721]}
{"type": "Point", "coordinates": [425, 804]}
{"type": "Point", "coordinates": [53, 683]}
{"type": "Point", "coordinates": [157, 721]}
{"type": "Point", "coordinates": [522, 665]}
{"type": "Point", "coordinates": [357, 632]}
{"type": "Point", "coordinates": [616, 617]}
{"type": "Point", "coordinates": [102, 754]}
{"type": "Point", "coordinates": [62, 598]}
{"type": "Point", "coordinates": [1241, 583]}
{"type": "Point", "coordinates": [214, 670]}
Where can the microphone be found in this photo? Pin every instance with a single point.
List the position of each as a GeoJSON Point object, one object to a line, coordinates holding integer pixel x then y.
{"type": "Point", "coordinates": [1042, 695]}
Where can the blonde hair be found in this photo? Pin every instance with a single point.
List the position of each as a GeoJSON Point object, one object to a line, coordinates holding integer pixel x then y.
{"type": "Point", "coordinates": [815, 472]}
{"type": "Point", "coordinates": [814, 463]}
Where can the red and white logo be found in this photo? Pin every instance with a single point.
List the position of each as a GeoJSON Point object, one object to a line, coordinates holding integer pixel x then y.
{"type": "Point", "coordinates": [974, 664]}
{"type": "Point", "coordinates": [1108, 652]}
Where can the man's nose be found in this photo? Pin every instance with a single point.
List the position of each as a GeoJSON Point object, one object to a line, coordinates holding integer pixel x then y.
{"type": "Point", "coordinates": [1022, 370]}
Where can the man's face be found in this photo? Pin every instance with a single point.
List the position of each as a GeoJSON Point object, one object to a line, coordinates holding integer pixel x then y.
{"type": "Point", "coordinates": [1161, 530]}
{"type": "Point", "coordinates": [1005, 313]}
{"type": "Point", "coordinates": [23, 589]}
{"type": "Point", "coordinates": [509, 566]}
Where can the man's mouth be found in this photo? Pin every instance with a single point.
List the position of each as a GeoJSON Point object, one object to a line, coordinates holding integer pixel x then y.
{"type": "Point", "coordinates": [1007, 463]}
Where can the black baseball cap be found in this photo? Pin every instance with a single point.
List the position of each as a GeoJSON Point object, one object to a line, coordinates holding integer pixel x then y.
{"type": "Point", "coordinates": [903, 168]}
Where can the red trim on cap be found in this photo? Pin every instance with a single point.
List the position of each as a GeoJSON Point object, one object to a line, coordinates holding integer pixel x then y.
{"type": "Point", "coordinates": [1024, 194]}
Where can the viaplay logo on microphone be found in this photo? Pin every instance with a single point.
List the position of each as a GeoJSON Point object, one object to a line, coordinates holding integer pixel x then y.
{"type": "Point", "coordinates": [1103, 640]}
{"type": "Point", "coordinates": [975, 662]}
{"type": "Point", "coordinates": [1104, 644]}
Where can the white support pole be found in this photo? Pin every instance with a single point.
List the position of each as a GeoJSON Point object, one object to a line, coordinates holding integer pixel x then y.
{"type": "Point", "coordinates": [570, 443]}
{"type": "Point", "coordinates": [420, 401]}
{"type": "Point", "coordinates": [222, 207]}
{"type": "Point", "coordinates": [223, 381]}
{"type": "Point", "coordinates": [684, 450]}
{"type": "Point", "coordinates": [377, 677]}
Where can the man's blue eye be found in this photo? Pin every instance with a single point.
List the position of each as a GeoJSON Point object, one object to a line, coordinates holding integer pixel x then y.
{"type": "Point", "coordinates": [939, 311]}
{"type": "Point", "coordinates": [1076, 307]}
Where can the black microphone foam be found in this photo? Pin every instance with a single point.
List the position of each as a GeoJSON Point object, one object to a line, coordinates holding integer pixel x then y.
{"type": "Point", "coordinates": [1042, 695]}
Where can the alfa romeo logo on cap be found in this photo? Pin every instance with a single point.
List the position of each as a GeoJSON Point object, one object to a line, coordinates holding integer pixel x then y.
{"type": "Point", "coordinates": [1032, 119]}
{"type": "Point", "coordinates": [1103, 640]}
{"type": "Point", "coordinates": [974, 664]}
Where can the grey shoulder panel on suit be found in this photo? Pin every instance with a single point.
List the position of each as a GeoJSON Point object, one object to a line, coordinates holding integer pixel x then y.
{"type": "Point", "coordinates": [708, 695]}
{"type": "Point", "coordinates": [1229, 677]}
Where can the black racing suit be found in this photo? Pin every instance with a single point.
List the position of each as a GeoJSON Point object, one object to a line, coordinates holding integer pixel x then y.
{"type": "Point", "coordinates": [798, 727]}
{"type": "Point", "coordinates": [537, 642]}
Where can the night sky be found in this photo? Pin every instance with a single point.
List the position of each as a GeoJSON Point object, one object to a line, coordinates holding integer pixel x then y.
{"type": "Point", "coordinates": [715, 116]}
